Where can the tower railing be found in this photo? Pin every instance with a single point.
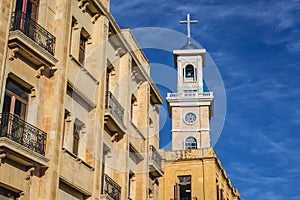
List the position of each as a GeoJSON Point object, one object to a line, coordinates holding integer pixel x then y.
{"type": "Point", "coordinates": [190, 94]}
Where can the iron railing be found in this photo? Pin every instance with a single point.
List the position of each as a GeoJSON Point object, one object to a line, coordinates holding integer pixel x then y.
{"type": "Point", "coordinates": [22, 22]}
{"type": "Point", "coordinates": [112, 103]}
{"type": "Point", "coordinates": [18, 130]}
{"type": "Point", "coordinates": [191, 94]}
{"type": "Point", "coordinates": [155, 156]}
{"type": "Point", "coordinates": [111, 188]}
{"type": "Point", "coordinates": [185, 198]}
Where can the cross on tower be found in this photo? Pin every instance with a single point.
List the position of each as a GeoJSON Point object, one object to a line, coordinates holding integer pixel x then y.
{"type": "Point", "coordinates": [189, 22]}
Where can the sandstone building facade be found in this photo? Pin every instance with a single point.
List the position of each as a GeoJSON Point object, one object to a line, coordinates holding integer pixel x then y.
{"type": "Point", "coordinates": [79, 115]}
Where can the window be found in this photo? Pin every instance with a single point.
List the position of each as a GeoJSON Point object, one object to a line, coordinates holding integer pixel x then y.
{"type": "Point", "coordinates": [134, 155]}
{"type": "Point", "coordinates": [131, 185]}
{"type": "Point", "coordinates": [133, 109]}
{"type": "Point", "coordinates": [28, 7]}
{"type": "Point", "coordinates": [76, 138]}
{"type": "Point", "coordinates": [6, 194]}
{"type": "Point", "coordinates": [218, 190]}
{"type": "Point", "coordinates": [184, 187]}
{"type": "Point", "coordinates": [189, 73]}
{"type": "Point", "coordinates": [82, 48]}
{"type": "Point", "coordinates": [15, 99]}
{"type": "Point", "coordinates": [191, 143]}
{"type": "Point", "coordinates": [66, 191]}
{"type": "Point", "coordinates": [74, 27]}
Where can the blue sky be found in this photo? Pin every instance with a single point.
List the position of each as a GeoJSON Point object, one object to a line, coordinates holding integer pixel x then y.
{"type": "Point", "coordinates": [256, 47]}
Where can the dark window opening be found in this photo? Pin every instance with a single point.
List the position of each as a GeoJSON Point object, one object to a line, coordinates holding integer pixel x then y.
{"type": "Point", "coordinates": [76, 138]}
{"type": "Point", "coordinates": [8, 194]}
{"type": "Point", "coordinates": [133, 109]}
{"type": "Point", "coordinates": [29, 7]}
{"type": "Point", "coordinates": [190, 72]}
{"type": "Point", "coordinates": [191, 143]}
{"type": "Point", "coordinates": [184, 187]}
{"type": "Point", "coordinates": [16, 99]}
{"type": "Point", "coordinates": [82, 48]}
{"type": "Point", "coordinates": [130, 185]}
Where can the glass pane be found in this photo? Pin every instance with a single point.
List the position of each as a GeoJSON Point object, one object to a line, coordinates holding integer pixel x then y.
{"type": "Point", "coordinates": [75, 140]}
{"type": "Point", "coordinates": [32, 9]}
{"type": "Point", "coordinates": [20, 109]}
{"type": "Point", "coordinates": [17, 89]}
{"type": "Point", "coordinates": [19, 5]}
{"type": "Point", "coordinates": [7, 103]}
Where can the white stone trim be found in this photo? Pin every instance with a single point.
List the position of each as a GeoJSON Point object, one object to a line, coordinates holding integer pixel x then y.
{"type": "Point", "coordinates": [189, 130]}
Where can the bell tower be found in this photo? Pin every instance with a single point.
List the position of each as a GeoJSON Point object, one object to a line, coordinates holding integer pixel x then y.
{"type": "Point", "coordinates": [190, 108]}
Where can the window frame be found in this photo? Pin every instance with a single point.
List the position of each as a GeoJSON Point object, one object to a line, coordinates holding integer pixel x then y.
{"type": "Point", "coordinates": [15, 97]}
{"type": "Point", "coordinates": [82, 47]}
{"type": "Point", "coordinates": [190, 144]}
{"type": "Point", "coordinates": [76, 139]}
{"type": "Point", "coordinates": [194, 73]}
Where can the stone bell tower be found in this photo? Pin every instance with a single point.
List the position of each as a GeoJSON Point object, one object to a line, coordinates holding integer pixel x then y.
{"type": "Point", "coordinates": [190, 108]}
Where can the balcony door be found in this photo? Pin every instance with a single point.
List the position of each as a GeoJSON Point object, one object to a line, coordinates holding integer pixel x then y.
{"type": "Point", "coordinates": [29, 8]}
{"type": "Point", "coordinates": [26, 17]}
{"type": "Point", "coordinates": [14, 111]}
{"type": "Point", "coordinates": [15, 99]}
{"type": "Point", "coordinates": [183, 188]}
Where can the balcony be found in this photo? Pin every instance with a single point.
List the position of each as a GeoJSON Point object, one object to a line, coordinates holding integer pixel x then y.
{"type": "Point", "coordinates": [185, 198]}
{"type": "Point", "coordinates": [155, 166]}
{"type": "Point", "coordinates": [114, 116]}
{"type": "Point", "coordinates": [110, 189]}
{"type": "Point", "coordinates": [30, 41]}
{"type": "Point", "coordinates": [191, 94]}
{"type": "Point", "coordinates": [21, 141]}
{"type": "Point", "coordinates": [191, 99]}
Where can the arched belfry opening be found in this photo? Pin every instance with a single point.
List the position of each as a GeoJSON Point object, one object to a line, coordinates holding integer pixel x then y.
{"type": "Point", "coordinates": [189, 73]}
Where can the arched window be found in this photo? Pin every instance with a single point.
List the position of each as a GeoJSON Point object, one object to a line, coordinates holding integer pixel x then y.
{"type": "Point", "coordinates": [189, 73]}
{"type": "Point", "coordinates": [190, 143]}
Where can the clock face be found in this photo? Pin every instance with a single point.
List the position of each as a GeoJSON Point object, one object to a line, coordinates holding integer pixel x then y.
{"type": "Point", "coordinates": [190, 118]}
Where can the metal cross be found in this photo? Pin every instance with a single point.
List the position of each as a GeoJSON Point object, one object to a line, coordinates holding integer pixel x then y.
{"type": "Point", "coordinates": [188, 22]}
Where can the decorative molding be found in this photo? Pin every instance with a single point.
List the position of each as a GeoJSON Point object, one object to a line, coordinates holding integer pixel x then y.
{"type": "Point", "coordinates": [189, 130]}
{"type": "Point", "coordinates": [2, 156]}
{"type": "Point", "coordinates": [24, 151]}
{"type": "Point", "coordinates": [95, 17]}
{"type": "Point", "coordinates": [12, 54]}
{"type": "Point", "coordinates": [29, 174]}
{"type": "Point", "coordinates": [75, 186]}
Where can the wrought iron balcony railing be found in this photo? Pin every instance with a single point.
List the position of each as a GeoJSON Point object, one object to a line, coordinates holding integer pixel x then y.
{"type": "Point", "coordinates": [112, 103]}
{"type": "Point", "coordinates": [155, 156]}
{"type": "Point", "coordinates": [18, 130]}
{"type": "Point", "coordinates": [111, 188]}
{"type": "Point", "coordinates": [22, 22]}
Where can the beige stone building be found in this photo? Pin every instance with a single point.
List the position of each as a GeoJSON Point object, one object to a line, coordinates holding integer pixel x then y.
{"type": "Point", "coordinates": [80, 113]}
{"type": "Point", "coordinates": [192, 171]}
